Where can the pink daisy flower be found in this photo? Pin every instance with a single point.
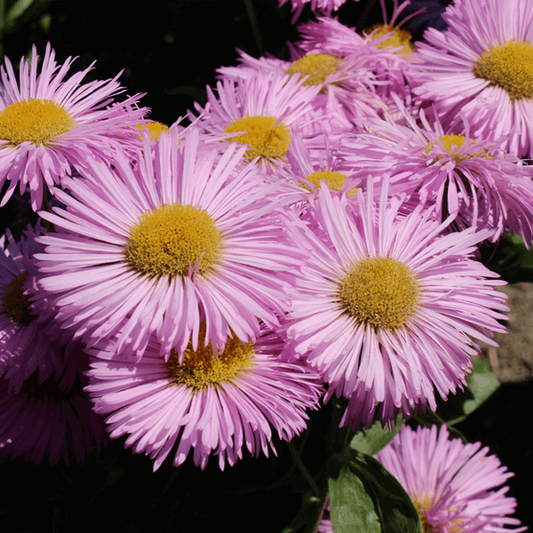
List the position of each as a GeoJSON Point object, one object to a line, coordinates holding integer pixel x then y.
{"type": "Point", "coordinates": [49, 125]}
{"type": "Point", "coordinates": [212, 403]}
{"type": "Point", "coordinates": [261, 111]}
{"type": "Point", "coordinates": [482, 67]}
{"type": "Point", "coordinates": [46, 421]}
{"type": "Point", "coordinates": [473, 180]}
{"type": "Point", "coordinates": [28, 341]}
{"type": "Point", "coordinates": [386, 307]}
{"type": "Point", "coordinates": [185, 235]}
{"type": "Point", "coordinates": [347, 85]}
{"type": "Point", "coordinates": [382, 56]}
{"type": "Point", "coordinates": [453, 485]}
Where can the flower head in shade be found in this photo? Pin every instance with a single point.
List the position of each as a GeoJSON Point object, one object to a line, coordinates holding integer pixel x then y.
{"type": "Point", "coordinates": [482, 67]}
{"type": "Point", "coordinates": [471, 179]}
{"type": "Point", "coordinates": [325, 6]}
{"type": "Point", "coordinates": [259, 111]}
{"type": "Point", "coordinates": [208, 404]}
{"type": "Point", "coordinates": [29, 342]}
{"type": "Point", "coordinates": [188, 234]}
{"type": "Point", "coordinates": [50, 124]}
{"type": "Point", "coordinates": [45, 421]}
{"type": "Point", "coordinates": [453, 485]}
{"type": "Point", "coordinates": [386, 307]}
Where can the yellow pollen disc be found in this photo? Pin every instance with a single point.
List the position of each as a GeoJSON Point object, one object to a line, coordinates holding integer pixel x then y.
{"type": "Point", "coordinates": [381, 292]}
{"type": "Point", "coordinates": [167, 241]}
{"type": "Point", "coordinates": [398, 37]}
{"type": "Point", "coordinates": [510, 67]}
{"type": "Point", "coordinates": [15, 303]}
{"type": "Point", "coordinates": [201, 368]}
{"type": "Point", "coordinates": [264, 137]}
{"type": "Point", "coordinates": [334, 179]}
{"type": "Point", "coordinates": [317, 66]}
{"type": "Point", "coordinates": [155, 128]}
{"type": "Point", "coordinates": [37, 121]}
{"type": "Point", "coordinates": [421, 507]}
{"type": "Point", "coordinates": [451, 143]}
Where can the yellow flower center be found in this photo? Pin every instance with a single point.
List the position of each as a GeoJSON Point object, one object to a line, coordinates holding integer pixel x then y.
{"type": "Point", "coordinates": [167, 241]}
{"type": "Point", "coordinates": [201, 368]}
{"type": "Point", "coordinates": [264, 138]}
{"type": "Point", "coordinates": [317, 66]}
{"type": "Point", "coordinates": [381, 292]}
{"type": "Point", "coordinates": [398, 37]}
{"type": "Point", "coordinates": [509, 66]}
{"type": "Point", "coordinates": [15, 303]}
{"type": "Point", "coordinates": [451, 143]}
{"type": "Point", "coordinates": [37, 121]}
{"type": "Point", "coordinates": [422, 505]}
{"type": "Point", "coordinates": [155, 128]}
{"type": "Point", "coordinates": [334, 179]}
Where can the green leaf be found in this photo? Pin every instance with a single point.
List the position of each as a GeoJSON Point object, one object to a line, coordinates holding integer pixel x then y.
{"type": "Point", "coordinates": [481, 383]}
{"type": "Point", "coordinates": [365, 497]}
{"type": "Point", "coordinates": [376, 437]}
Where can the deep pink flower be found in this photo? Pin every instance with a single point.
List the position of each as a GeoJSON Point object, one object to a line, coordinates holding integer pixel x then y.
{"type": "Point", "coordinates": [45, 421]}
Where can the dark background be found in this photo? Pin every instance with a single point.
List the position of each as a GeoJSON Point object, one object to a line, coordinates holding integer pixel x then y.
{"type": "Point", "coordinates": [169, 49]}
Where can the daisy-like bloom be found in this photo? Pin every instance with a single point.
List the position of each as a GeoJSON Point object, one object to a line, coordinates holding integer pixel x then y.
{"type": "Point", "coordinates": [471, 179]}
{"type": "Point", "coordinates": [27, 342]}
{"type": "Point", "coordinates": [211, 403]}
{"type": "Point", "coordinates": [260, 111]}
{"type": "Point", "coordinates": [308, 169]}
{"type": "Point", "coordinates": [482, 67]}
{"type": "Point", "coordinates": [347, 93]}
{"type": "Point", "coordinates": [45, 421]}
{"type": "Point", "coordinates": [453, 485]}
{"type": "Point", "coordinates": [187, 234]}
{"type": "Point", "coordinates": [50, 124]}
{"type": "Point", "coordinates": [378, 61]}
{"type": "Point", "coordinates": [386, 307]}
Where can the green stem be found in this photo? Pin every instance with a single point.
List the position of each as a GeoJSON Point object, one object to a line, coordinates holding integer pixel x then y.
{"type": "Point", "coordinates": [255, 27]}
{"type": "Point", "coordinates": [301, 467]}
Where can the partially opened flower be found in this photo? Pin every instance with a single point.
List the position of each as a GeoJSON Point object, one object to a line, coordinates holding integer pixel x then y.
{"type": "Point", "coordinates": [482, 67]}
{"type": "Point", "coordinates": [50, 125]}
{"type": "Point", "coordinates": [211, 403]}
{"type": "Point", "coordinates": [456, 487]}
{"type": "Point", "coordinates": [188, 234]}
{"type": "Point", "coordinates": [387, 308]}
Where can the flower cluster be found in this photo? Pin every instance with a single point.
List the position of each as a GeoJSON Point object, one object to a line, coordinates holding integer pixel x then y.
{"type": "Point", "coordinates": [313, 233]}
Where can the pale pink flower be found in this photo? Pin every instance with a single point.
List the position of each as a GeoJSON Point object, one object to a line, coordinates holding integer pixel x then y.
{"type": "Point", "coordinates": [187, 234]}
{"type": "Point", "coordinates": [480, 68]}
{"type": "Point", "coordinates": [211, 404]}
{"type": "Point", "coordinates": [387, 307]}
{"type": "Point", "coordinates": [454, 486]}
{"type": "Point", "coordinates": [50, 125]}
